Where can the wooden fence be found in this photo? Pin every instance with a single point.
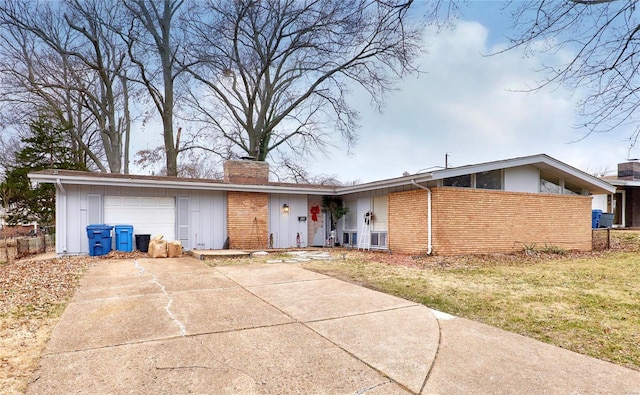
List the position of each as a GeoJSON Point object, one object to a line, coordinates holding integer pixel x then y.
{"type": "Point", "coordinates": [18, 248]}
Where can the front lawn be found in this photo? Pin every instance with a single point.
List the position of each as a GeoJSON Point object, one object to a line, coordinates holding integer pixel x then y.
{"type": "Point", "coordinates": [588, 303]}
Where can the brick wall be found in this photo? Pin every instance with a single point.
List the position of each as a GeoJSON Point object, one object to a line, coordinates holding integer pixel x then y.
{"type": "Point", "coordinates": [408, 222]}
{"type": "Point", "coordinates": [246, 172]}
{"type": "Point", "coordinates": [469, 221]}
{"type": "Point", "coordinates": [247, 220]}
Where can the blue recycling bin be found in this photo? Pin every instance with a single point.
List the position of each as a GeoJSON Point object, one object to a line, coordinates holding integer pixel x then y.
{"type": "Point", "coordinates": [124, 238]}
{"type": "Point", "coordinates": [595, 218]}
{"type": "Point", "coordinates": [99, 239]}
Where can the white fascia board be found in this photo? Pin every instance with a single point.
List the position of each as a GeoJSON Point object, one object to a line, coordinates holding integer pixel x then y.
{"type": "Point", "coordinates": [625, 183]}
{"type": "Point", "coordinates": [598, 184]}
{"type": "Point", "coordinates": [390, 183]}
{"type": "Point", "coordinates": [123, 182]}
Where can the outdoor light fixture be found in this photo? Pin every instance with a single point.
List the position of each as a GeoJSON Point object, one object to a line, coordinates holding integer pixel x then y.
{"type": "Point", "coordinates": [285, 208]}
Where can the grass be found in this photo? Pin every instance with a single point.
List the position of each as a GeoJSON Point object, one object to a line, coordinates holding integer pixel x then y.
{"type": "Point", "coordinates": [587, 303]}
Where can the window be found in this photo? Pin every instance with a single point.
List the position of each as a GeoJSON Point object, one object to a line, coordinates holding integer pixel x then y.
{"type": "Point", "coordinates": [463, 181]}
{"type": "Point", "coordinates": [380, 215]}
{"type": "Point", "coordinates": [549, 184]}
{"type": "Point", "coordinates": [378, 239]}
{"type": "Point", "coordinates": [571, 189]}
{"type": "Point", "coordinates": [351, 217]}
{"type": "Point", "coordinates": [489, 179]}
{"type": "Point", "coordinates": [484, 180]}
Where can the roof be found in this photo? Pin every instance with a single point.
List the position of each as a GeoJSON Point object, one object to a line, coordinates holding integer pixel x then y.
{"type": "Point", "coordinates": [74, 177]}
{"type": "Point", "coordinates": [543, 162]}
{"type": "Point", "coordinates": [618, 182]}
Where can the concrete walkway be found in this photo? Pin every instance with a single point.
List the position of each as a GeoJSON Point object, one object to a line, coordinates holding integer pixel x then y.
{"type": "Point", "coordinates": [177, 326]}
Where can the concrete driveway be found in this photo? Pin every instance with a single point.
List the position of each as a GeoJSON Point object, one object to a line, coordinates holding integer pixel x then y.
{"type": "Point", "coordinates": [178, 326]}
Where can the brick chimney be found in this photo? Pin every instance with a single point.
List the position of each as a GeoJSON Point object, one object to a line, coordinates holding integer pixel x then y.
{"type": "Point", "coordinates": [246, 171]}
{"type": "Point", "coordinates": [629, 171]}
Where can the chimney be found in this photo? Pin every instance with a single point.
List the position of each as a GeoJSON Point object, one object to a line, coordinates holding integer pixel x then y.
{"type": "Point", "coordinates": [246, 171]}
{"type": "Point", "coordinates": [629, 171]}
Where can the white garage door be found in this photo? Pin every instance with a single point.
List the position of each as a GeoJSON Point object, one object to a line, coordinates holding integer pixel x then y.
{"type": "Point", "coordinates": [148, 215]}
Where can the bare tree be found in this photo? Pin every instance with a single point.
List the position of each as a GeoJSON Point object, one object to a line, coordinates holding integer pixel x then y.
{"type": "Point", "coordinates": [277, 73]}
{"type": "Point", "coordinates": [155, 51]}
{"type": "Point", "coordinates": [603, 37]}
{"type": "Point", "coordinates": [103, 53]}
{"type": "Point", "coordinates": [288, 170]}
{"type": "Point", "coordinates": [67, 58]}
{"type": "Point", "coordinates": [9, 145]}
{"type": "Point", "coordinates": [30, 87]}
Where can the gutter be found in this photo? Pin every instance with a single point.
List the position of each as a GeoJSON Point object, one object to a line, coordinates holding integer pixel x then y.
{"type": "Point", "coordinates": [429, 232]}
{"type": "Point", "coordinates": [61, 212]}
{"type": "Point", "coordinates": [133, 182]}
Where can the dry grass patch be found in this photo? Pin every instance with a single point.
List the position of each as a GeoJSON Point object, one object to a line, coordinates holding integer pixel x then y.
{"type": "Point", "coordinates": [33, 295]}
{"type": "Point", "coordinates": [587, 303]}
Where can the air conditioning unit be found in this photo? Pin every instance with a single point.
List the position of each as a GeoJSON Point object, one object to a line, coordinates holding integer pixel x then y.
{"type": "Point", "coordinates": [350, 239]}
{"type": "Point", "coordinates": [378, 239]}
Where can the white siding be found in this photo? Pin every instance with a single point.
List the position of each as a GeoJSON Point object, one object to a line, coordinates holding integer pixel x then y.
{"type": "Point", "coordinates": [285, 226]}
{"type": "Point", "coordinates": [206, 225]}
{"type": "Point", "coordinates": [522, 179]}
{"type": "Point", "coordinates": [208, 221]}
{"type": "Point", "coordinates": [599, 202]}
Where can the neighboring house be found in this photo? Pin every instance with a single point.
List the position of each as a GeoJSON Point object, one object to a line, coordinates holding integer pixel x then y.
{"type": "Point", "coordinates": [10, 231]}
{"type": "Point", "coordinates": [624, 203]}
{"type": "Point", "coordinates": [492, 207]}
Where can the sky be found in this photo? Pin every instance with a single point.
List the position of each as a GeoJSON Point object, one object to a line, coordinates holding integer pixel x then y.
{"type": "Point", "coordinates": [471, 108]}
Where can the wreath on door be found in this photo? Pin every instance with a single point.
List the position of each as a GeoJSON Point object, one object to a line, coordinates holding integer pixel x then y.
{"type": "Point", "coordinates": [315, 210]}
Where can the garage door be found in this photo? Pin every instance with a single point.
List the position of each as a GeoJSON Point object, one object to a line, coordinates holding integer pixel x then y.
{"type": "Point", "coordinates": [148, 215]}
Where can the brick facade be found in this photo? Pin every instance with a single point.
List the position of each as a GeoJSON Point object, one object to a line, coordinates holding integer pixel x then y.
{"type": "Point", "coordinates": [471, 221]}
{"type": "Point", "coordinates": [246, 172]}
{"type": "Point", "coordinates": [408, 222]}
{"type": "Point", "coordinates": [247, 220]}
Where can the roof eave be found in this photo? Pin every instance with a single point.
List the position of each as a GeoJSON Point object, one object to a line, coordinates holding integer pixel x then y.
{"type": "Point", "coordinates": [596, 185]}
{"type": "Point", "coordinates": [211, 186]}
{"type": "Point", "coordinates": [390, 183]}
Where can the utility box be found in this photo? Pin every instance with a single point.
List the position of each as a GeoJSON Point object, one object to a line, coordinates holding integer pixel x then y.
{"type": "Point", "coordinates": [99, 239]}
{"type": "Point", "coordinates": [124, 238]}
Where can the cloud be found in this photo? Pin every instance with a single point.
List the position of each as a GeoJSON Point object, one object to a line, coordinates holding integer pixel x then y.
{"type": "Point", "coordinates": [473, 107]}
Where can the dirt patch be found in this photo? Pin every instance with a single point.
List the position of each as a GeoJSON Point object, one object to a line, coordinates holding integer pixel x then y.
{"type": "Point", "coordinates": [33, 295]}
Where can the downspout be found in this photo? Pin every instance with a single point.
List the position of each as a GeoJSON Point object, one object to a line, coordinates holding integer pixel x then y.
{"type": "Point", "coordinates": [61, 213]}
{"type": "Point", "coordinates": [429, 232]}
